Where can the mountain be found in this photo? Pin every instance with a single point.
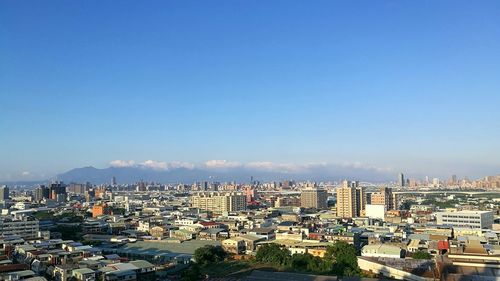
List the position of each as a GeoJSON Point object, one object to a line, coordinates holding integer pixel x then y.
{"type": "Point", "coordinates": [238, 174]}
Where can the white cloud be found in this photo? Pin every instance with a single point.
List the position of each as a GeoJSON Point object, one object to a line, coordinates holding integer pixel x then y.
{"type": "Point", "coordinates": [365, 166]}
{"type": "Point", "coordinates": [122, 163]}
{"type": "Point", "coordinates": [283, 167]}
{"type": "Point", "coordinates": [178, 164]}
{"type": "Point", "coordinates": [152, 164]}
{"type": "Point", "coordinates": [222, 164]}
{"type": "Point", "coordinates": [25, 173]}
{"type": "Point", "coordinates": [156, 165]}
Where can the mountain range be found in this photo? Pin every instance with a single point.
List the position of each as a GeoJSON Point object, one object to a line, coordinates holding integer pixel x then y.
{"type": "Point", "coordinates": [239, 174]}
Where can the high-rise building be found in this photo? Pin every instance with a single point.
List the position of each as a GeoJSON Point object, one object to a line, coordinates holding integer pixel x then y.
{"type": "Point", "coordinates": [113, 181]}
{"type": "Point", "coordinates": [436, 182]}
{"type": "Point", "coordinates": [313, 198]}
{"type": "Point", "coordinates": [77, 188]}
{"type": "Point", "coordinates": [360, 200]}
{"type": "Point", "coordinates": [250, 193]}
{"type": "Point", "coordinates": [56, 188]}
{"type": "Point", "coordinates": [401, 180]}
{"type": "Point", "coordinates": [4, 193]}
{"type": "Point", "coordinates": [219, 202]}
{"type": "Point", "coordinates": [41, 192]}
{"type": "Point", "coordinates": [453, 180]}
{"type": "Point", "coordinates": [141, 186]}
{"type": "Point", "coordinates": [351, 199]}
{"type": "Point", "coordinates": [383, 197]}
{"type": "Point", "coordinates": [346, 202]}
{"type": "Point", "coordinates": [287, 201]}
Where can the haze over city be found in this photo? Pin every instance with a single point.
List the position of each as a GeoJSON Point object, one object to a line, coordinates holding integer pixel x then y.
{"type": "Point", "coordinates": [380, 88]}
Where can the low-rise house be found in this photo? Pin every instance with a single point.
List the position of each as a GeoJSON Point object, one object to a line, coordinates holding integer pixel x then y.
{"type": "Point", "coordinates": [145, 270]}
{"type": "Point", "coordinates": [213, 234]}
{"type": "Point", "coordinates": [382, 250]}
{"type": "Point", "coordinates": [159, 232]}
{"type": "Point", "coordinates": [182, 234]}
{"type": "Point", "coordinates": [83, 274]}
{"type": "Point", "coordinates": [234, 245]}
{"type": "Point", "coordinates": [266, 232]}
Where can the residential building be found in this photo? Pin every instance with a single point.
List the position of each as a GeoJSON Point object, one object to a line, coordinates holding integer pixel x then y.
{"type": "Point", "coordinates": [347, 200]}
{"type": "Point", "coordinates": [26, 227]}
{"type": "Point", "coordinates": [219, 202]}
{"type": "Point", "coordinates": [383, 197]}
{"type": "Point", "coordinates": [101, 209]}
{"type": "Point", "coordinates": [313, 198]}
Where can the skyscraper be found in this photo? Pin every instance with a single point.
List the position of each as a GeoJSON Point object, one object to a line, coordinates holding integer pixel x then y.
{"type": "Point", "coordinates": [401, 180]}
{"type": "Point", "coordinates": [4, 193]}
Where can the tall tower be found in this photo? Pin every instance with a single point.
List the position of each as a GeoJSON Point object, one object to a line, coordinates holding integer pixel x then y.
{"type": "Point", "coordinates": [4, 193]}
{"type": "Point", "coordinates": [401, 180]}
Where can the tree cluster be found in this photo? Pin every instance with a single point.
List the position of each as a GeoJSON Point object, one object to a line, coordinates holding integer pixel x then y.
{"type": "Point", "coordinates": [420, 255]}
{"type": "Point", "coordinates": [209, 254]}
{"type": "Point", "coordinates": [339, 259]}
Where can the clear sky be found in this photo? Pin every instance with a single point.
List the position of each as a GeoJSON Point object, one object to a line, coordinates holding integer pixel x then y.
{"type": "Point", "coordinates": [410, 86]}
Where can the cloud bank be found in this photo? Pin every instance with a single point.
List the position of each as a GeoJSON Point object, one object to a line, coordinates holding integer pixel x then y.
{"type": "Point", "coordinates": [317, 170]}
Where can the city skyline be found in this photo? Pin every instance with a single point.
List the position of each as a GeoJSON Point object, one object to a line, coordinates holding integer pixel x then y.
{"type": "Point", "coordinates": [389, 87]}
{"type": "Point", "coordinates": [129, 172]}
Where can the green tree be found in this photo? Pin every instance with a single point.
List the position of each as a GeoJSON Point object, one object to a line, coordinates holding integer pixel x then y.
{"type": "Point", "coordinates": [407, 205]}
{"type": "Point", "coordinates": [309, 263]}
{"type": "Point", "coordinates": [192, 273]}
{"type": "Point", "coordinates": [273, 254]}
{"type": "Point", "coordinates": [421, 255]}
{"type": "Point", "coordinates": [69, 232]}
{"type": "Point", "coordinates": [343, 258]}
{"type": "Point", "coordinates": [301, 262]}
{"type": "Point", "coordinates": [209, 254]}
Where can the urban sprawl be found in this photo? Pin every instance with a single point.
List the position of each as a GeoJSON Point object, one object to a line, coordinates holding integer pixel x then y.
{"type": "Point", "coordinates": [419, 230]}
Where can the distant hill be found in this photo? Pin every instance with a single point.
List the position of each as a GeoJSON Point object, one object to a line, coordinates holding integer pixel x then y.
{"type": "Point", "coordinates": [241, 174]}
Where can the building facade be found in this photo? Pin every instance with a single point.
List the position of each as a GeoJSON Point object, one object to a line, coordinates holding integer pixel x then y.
{"type": "Point", "coordinates": [219, 202]}
{"type": "Point", "coordinates": [313, 198]}
{"type": "Point", "coordinates": [472, 219]}
{"type": "Point", "coordinates": [351, 200]}
{"type": "Point", "coordinates": [25, 227]}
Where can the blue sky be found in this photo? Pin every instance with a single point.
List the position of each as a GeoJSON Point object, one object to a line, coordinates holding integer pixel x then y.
{"type": "Point", "coordinates": [407, 86]}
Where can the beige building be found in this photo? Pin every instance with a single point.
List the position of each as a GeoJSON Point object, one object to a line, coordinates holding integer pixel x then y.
{"type": "Point", "coordinates": [313, 198]}
{"type": "Point", "coordinates": [351, 200]}
{"type": "Point", "coordinates": [383, 197]}
{"type": "Point", "coordinates": [288, 201]}
{"type": "Point", "coordinates": [219, 202]}
{"type": "Point", "coordinates": [234, 245]}
{"type": "Point", "coordinates": [158, 232]}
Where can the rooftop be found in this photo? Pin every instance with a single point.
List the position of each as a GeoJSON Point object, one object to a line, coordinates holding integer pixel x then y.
{"type": "Point", "coordinates": [158, 247]}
